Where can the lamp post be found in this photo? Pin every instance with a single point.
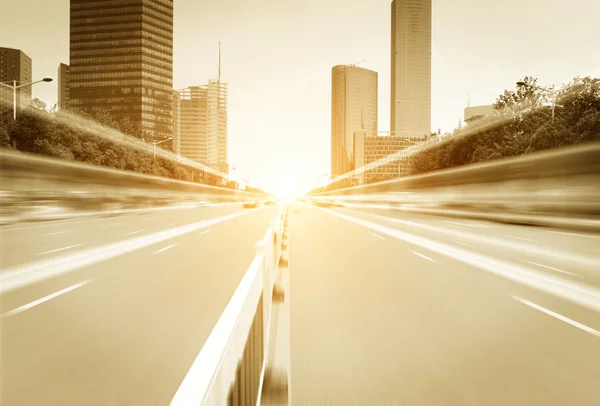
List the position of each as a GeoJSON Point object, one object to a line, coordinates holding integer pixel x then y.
{"type": "Point", "coordinates": [14, 88]}
{"type": "Point", "coordinates": [155, 143]}
{"type": "Point", "coordinates": [551, 89]}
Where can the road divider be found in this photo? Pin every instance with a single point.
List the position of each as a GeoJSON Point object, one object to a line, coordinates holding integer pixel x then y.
{"type": "Point", "coordinates": [235, 365]}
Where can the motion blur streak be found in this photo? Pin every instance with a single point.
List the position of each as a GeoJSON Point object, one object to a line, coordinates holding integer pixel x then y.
{"type": "Point", "coordinates": [375, 324]}
{"type": "Point", "coordinates": [37, 271]}
{"type": "Point", "coordinates": [563, 288]}
{"type": "Point", "coordinates": [130, 336]}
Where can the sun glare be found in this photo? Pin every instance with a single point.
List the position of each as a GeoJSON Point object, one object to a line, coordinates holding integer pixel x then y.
{"type": "Point", "coordinates": [289, 188]}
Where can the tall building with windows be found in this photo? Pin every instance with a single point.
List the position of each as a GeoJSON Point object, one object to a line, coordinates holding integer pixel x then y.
{"type": "Point", "coordinates": [203, 124]}
{"type": "Point", "coordinates": [15, 65]}
{"type": "Point", "coordinates": [63, 86]}
{"type": "Point", "coordinates": [176, 123]}
{"type": "Point", "coordinates": [121, 60]}
{"type": "Point", "coordinates": [410, 100]}
{"type": "Point", "coordinates": [380, 150]}
{"type": "Point", "coordinates": [353, 108]}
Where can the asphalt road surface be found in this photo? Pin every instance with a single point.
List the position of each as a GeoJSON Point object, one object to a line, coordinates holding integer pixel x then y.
{"type": "Point", "coordinates": [405, 309]}
{"type": "Point", "coordinates": [113, 311]}
{"type": "Point", "coordinates": [387, 308]}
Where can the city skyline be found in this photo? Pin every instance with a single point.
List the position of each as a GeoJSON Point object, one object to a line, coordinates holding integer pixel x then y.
{"type": "Point", "coordinates": [469, 55]}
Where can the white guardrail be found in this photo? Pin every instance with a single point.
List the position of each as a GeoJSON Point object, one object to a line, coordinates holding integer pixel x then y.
{"type": "Point", "coordinates": [233, 363]}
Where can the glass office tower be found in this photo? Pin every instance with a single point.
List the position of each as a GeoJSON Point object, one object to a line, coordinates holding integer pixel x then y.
{"type": "Point", "coordinates": [121, 60]}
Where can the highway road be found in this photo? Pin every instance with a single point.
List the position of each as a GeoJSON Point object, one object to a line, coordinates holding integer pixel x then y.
{"type": "Point", "coordinates": [387, 308]}
{"type": "Point", "coordinates": [114, 310]}
{"type": "Point", "coordinates": [391, 308]}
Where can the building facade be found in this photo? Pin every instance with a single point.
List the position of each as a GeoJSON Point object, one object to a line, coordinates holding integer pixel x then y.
{"type": "Point", "coordinates": [15, 65]}
{"type": "Point", "coordinates": [474, 113]}
{"type": "Point", "coordinates": [63, 86]}
{"type": "Point", "coordinates": [203, 124]}
{"type": "Point", "coordinates": [176, 108]}
{"type": "Point", "coordinates": [373, 148]}
{"type": "Point", "coordinates": [121, 60]}
{"type": "Point", "coordinates": [353, 108]}
{"type": "Point", "coordinates": [410, 98]}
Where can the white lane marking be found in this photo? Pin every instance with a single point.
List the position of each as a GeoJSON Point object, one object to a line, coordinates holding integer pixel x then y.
{"type": "Point", "coordinates": [134, 232]}
{"type": "Point", "coordinates": [558, 316]}
{"type": "Point", "coordinates": [110, 224]}
{"type": "Point", "coordinates": [45, 299]}
{"type": "Point", "coordinates": [554, 269]}
{"type": "Point", "coordinates": [27, 274]}
{"type": "Point", "coordinates": [375, 235]}
{"type": "Point", "coordinates": [164, 249]}
{"type": "Point", "coordinates": [465, 244]}
{"type": "Point", "coordinates": [583, 294]}
{"type": "Point", "coordinates": [119, 213]}
{"type": "Point", "coordinates": [62, 223]}
{"type": "Point", "coordinates": [58, 232]}
{"type": "Point", "coordinates": [520, 238]}
{"type": "Point", "coordinates": [466, 224]}
{"type": "Point", "coordinates": [205, 231]}
{"type": "Point", "coordinates": [352, 224]}
{"type": "Point", "coordinates": [573, 234]}
{"type": "Point", "coordinates": [589, 261]}
{"type": "Point", "coordinates": [59, 249]}
{"type": "Point", "coordinates": [424, 256]}
{"type": "Point", "coordinates": [173, 223]}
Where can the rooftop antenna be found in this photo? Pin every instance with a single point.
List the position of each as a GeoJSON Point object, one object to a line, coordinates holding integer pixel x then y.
{"type": "Point", "coordinates": [354, 64]}
{"type": "Point", "coordinates": [468, 99]}
{"type": "Point", "coordinates": [219, 61]}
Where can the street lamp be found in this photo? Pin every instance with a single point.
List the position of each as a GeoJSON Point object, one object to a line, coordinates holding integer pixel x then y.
{"type": "Point", "coordinates": [551, 89]}
{"type": "Point", "coordinates": [14, 88]}
{"type": "Point", "coordinates": [155, 143]}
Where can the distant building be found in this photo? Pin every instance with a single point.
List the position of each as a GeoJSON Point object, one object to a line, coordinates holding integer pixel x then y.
{"type": "Point", "coordinates": [63, 86]}
{"type": "Point", "coordinates": [121, 60]}
{"type": "Point", "coordinates": [410, 100]}
{"type": "Point", "coordinates": [176, 123]}
{"type": "Point", "coordinates": [477, 112]}
{"type": "Point", "coordinates": [372, 148]}
{"type": "Point", "coordinates": [15, 65]}
{"type": "Point", "coordinates": [353, 108]}
{"type": "Point", "coordinates": [203, 124]}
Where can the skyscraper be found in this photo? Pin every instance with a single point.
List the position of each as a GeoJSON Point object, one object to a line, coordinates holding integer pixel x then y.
{"type": "Point", "coordinates": [121, 58]}
{"type": "Point", "coordinates": [353, 108]}
{"type": "Point", "coordinates": [411, 68]}
{"type": "Point", "coordinates": [203, 124]}
{"type": "Point", "coordinates": [15, 65]}
{"type": "Point", "coordinates": [63, 86]}
{"type": "Point", "coordinates": [176, 123]}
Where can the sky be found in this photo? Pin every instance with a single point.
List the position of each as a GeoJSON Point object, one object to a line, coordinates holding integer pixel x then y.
{"type": "Point", "coordinates": [277, 57]}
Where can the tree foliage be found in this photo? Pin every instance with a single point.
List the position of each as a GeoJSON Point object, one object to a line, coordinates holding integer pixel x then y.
{"type": "Point", "coordinates": [524, 124]}
{"type": "Point", "coordinates": [58, 135]}
{"type": "Point", "coordinates": [39, 104]}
